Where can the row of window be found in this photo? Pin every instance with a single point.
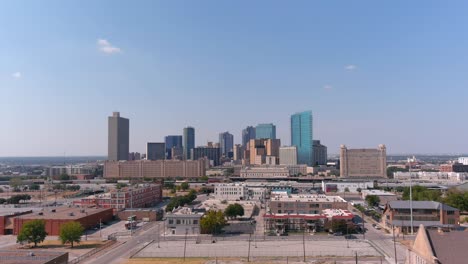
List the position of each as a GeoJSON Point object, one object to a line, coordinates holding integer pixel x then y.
{"type": "Point", "coordinates": [183, 221]}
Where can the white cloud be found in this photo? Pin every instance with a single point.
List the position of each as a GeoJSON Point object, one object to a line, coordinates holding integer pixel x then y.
{"type": "Point", "coordinates": [350, 67]}
{"type": "Point", "coordinates": [16, 75]}
{"type": "Point", "coordinates": [327, 87]}
{"type": "Point", "coordinates": [106, 47]}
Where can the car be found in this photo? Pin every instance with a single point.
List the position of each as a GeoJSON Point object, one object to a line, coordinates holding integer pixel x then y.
{"type": "Point", "coordinates": [338, 234]}
{"type": "Point", "coordinates": [378, 227]}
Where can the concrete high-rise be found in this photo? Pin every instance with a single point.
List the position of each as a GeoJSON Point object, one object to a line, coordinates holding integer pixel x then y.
{"type": "Point", "coordinates": [260, 149]}
{"type": "Point", "coordinates": [320, 153]}
{"type": "Point", "coordinates": [238, 152]}
{"type": "Point", "coordinates": [226, 143]}
{"type": "Point", "coordinates": [118, 137]}
{"type": "Point", "coordinates": [247, 134]}
{"type": "Point", "coordinates": [189, 142]}
{"type": "Point", "coordinates": [155, 151]}
{"type": "Point", "coordinates": [212, 154]}
{"type": "Point", "coordinates": [265, 131]}
{"type": "Point", "coordinates": [172, 141]}
{"type": "Point", "coordinates": [363, 163]}
{"type": "Point", "coordinates": [302, 137]}
{"type": "Point", "coordinates": [288, 155]}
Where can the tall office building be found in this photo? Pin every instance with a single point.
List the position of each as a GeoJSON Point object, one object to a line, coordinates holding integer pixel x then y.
{"type": "Point", "coordinates": [302, 137]}
{"type": "Point", "coordinates": [189, 142]}
{"type": "Point", "coordinates": [363, 163]}
{"type": "Point", "coordinates": [212, 154]}
{"type": "Point", "coordinates": [288, 155]}
{"type": "Point", "coordinates": [155, 151]}
{"type": "Point", "coordinates": [118, 137]}
{"type": "Point", "coordinates": [238, 152]}
{"type": "Point", "coordinates": [261, 149]}
{"type": "Point", "coordinates": [226, 142]}
{"type": "Point", "coordinates": [265, 131]}
{"type": "Point", "coordinates": [172, 141]}
{"type": "Point", "coordinates": [247, 134]}
{"type": "Point", "coordinates": [320, 153]}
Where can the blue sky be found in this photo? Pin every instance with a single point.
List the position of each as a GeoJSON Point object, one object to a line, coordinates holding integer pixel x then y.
{"type": "Point", "coordinates": [372, 72]}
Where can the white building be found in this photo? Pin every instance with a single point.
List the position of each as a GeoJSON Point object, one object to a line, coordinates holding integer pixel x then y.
{"type": "Point", "coordinates": [463, 160]}
{"type": "Point", "coordinates": [264, 172]}
{"type": "Point", "coordinates": [288, 155]}
{"type": "Point", "coordinates": [432, 176]}
{"type": "Point", "coordinates": [239, 192]}
{"type": "Point", "coordinates": [352, 186]}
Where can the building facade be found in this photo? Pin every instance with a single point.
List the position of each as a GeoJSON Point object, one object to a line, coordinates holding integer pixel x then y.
{"type": "Point", "coordinates": [260, 148]}
{"type": "Point", "coordinates": [398, 214]}
{"type": "Point", "coordinates": [247, 134]}
{"type": "Point", "coordinates": [155, 151]}
{"type": "Point", "coordinates": [305, 204]}
{"type": "Point", "coordinates": [239, 192]}
{"type": "Point", "coordinates": [226, 142]}
{"type": "Point", "coordinates": [264, 172]}
{"type": "Point", "coordinates": [238, 152]}
{"type": "Point", "coordinates": [189, 141]}
{"type": "Point", "coordinates": [211, 153]}
{"type": "Point", "coordinates": [155, 169]}
{"type": "Point", "coordinates": [302, 137]}
{"type": "Point", "coordinates": [363, 163]}
{"type": "Point", "coordinates": [118, 137]}
{"type": "Point", "coordinates": [183, 221]}
{"type": "Point", "coordinates": [263, 131]}
{"type": "Point", "coordinates": [171, 142]}
{"type": "Point", "coordinates": [288, 155]}
{"type": "Point", "coordinates": [320, 153]}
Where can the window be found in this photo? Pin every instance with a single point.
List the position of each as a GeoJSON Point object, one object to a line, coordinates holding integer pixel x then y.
{"type": "Point", "coordinates": [195, 222]}
{"type": "Point", "coordinates": [450, 212]}
{"type": "Point", "coordinates": [178, 221]}
{"type": "Point", "coordinates": [171, 221]}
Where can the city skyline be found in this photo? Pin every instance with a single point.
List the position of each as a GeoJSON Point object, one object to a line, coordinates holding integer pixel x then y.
{"type": "Point", "coordinates": [368, 77]}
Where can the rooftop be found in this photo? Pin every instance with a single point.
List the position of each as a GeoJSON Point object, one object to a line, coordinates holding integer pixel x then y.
{"type": "Point", "coordinates": [13, 211]}
{"type": "Point", "coordinates": [64, 213]}
{"type": "Point", "coordinates": [449, 247]}
{"type": "Point", "coordinates": [30, 257]}
{"type": "Point", "coordinates": [421, 205]}
{"type": "Point", "coordinates": [377, 192]}
{"type": "Point", "coordinates": [307, 198]}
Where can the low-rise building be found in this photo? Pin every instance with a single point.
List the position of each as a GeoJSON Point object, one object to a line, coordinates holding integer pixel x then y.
{"type": "Point", "coordinates": [264, 172]}
{"type": "Point", "coordinates": [431, 176]}
{"type": "Point", "coordinates": [239, 192]}
{"type": "Point", "coordinates": [33, 257]}
{"type": "Point", "coordinates": [304, 204]}
{"type": "Point", "coordinates": [55, 217]}
{"type": "Point", "coordinates": [183, 221]}
{"type": "Point", "coordinates": [384, 196]}
{"type": "Point", "coordinates": [352, 186]}
{"type": "Point", "coordinates": [438, 246]}
{"type": "Point", "coordinates": [428, 213]}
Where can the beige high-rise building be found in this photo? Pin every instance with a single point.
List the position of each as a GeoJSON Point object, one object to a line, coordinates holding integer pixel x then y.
{"type": "Point", "coordinates": [263, 148]}
{"type": "Point", "coordinates": [363, 163]}
{"type": "Point", "coordinates": [238, 152]}
{"type": "Point", "coordinates": [288, 155]}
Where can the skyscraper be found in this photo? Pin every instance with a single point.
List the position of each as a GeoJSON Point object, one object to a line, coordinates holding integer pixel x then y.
{"type": "Point", "coordinates": [118, 137]}
{"type": "Point", "coordinates": [212, 154]}
{"type": "Point", "coordinates": [302, 137]}
{"type": "Point", "coordinates": [172, 141]}
{"type": "Point", "coordinates": [189, 141]}
{"type": "Point", "coordinates": [288, 155]}
{"type": "Point", "coordinates": [265, 131]}
{"type": "Point", "coordinates": [155, 151]}
{"type": "Point", "coordinates": [226, 143]}
{"type": "Point", "coordinates": [320, 153]}
{"type": "Point", "coordinates": [247, 134]}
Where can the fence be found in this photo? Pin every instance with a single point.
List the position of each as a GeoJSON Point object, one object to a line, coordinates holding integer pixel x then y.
{"type": "Point", "coordinates": [92, 252]}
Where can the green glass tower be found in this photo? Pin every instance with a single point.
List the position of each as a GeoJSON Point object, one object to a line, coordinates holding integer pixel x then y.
{"type": "Point", "coordinates": [302, 137]}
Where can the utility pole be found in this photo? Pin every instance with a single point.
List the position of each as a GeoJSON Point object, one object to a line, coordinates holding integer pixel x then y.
{"type": "Point", "coordinates": [159, 234]}
{"type": "Point", "coordinates": [248, 254]}
{"type": "Point", "coordinates": [363, 227]}
{"type": "Point", "coordinates": [185, 243]}
{"type": "Point", "coordinates": [394, 244]}
{"type": "Point", "coordinates": [303, 242]}
{"type": "Point", "coordinates": [411, 200]}
{"type": "Point", "coordinates": [100, 226]}
{"type": "Point", "coordinates": [356, 258]}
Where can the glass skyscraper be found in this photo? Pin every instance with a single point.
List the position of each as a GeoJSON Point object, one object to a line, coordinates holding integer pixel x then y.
{"type": "Point", "coordinates": [189, 141]}
{"type": "Point", "coordinates": [265, 131]}
{"type": "Point", "coordinates": [302, 137]}
{"type": "Point", "coordinates": [172, 141]}
{"type": "Point", "coordinates": [226, 143]}
{"type": "Point", "coordinates": [247, 134]}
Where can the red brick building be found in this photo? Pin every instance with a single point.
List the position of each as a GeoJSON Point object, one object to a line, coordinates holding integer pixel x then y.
{"type": "Point", "coordinates": [55, 217]}
{"type": "Point", "coordinates": [7, 216]}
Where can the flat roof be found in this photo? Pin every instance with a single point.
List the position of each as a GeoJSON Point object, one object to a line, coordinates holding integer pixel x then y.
{"type": "Point", "coordinates": [25, 256]}
{"type": "Point", "coordinates": [378, 192]}
{"type": "Point", "coordinates": [12, 211]}
{"type": "Point", "coordinates": [307, 198]}
{"type": "Point", "coordinates": [64, 213]}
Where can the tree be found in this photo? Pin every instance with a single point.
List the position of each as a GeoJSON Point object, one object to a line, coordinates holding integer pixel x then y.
{"type": "Point", "coordinates": [204, 178]}
{"type": "Point", "coordinates": [457, 199]}
{"type": "Point", "coordinates": [34, 187]}
{"type": "Point", "coordinates": [184, 186]}
{"type": "Point", "coordinates": [212, 222]}
{"type": "Point", "coordinates": [346, 189]}
{"type": "Point", "coordinates": [32, 232]}
{"type": "Point", "coordinates": [234, 210]}
{"type": "Point", "coordinates": [120, 185]}
{"type": "Point", "coordinates": [71, 232]}
{"type": "Point", "coordinates": [359, 190]}
{"type": "Point", "coordinates": [421, 193]}
{"type": "Point", "coordinates": [64, 177]}
{"type": "Point", "coordinates": [336, 226]}
{"type": "Point", "coordinates": [15, 199]}
{"type": "Point", "coordinates": [372, 200]}
{"type": "Point", "coordinates": [16, 182]}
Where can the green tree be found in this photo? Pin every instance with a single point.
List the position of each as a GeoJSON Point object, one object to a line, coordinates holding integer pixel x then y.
{"type": "Point", "coordinates": [337, 226]}
{"type": "Point", "coordinates": [234, 210]}
{"type": "Point", "coordinates": [421, 193]}
{"type": "Point", "coordinates": [346, 189]}
{"type": "Point", "coordinates": [212, 222]}
{"type": "Point", "coordinates": [204, 178]}
{"type": "Point", "coordinates": [372, 200]}
{"type": "Point", "coordinates": [64, 177]}
{"type": "Point", "coordinates": [184, 186]}
{"type": "Point", "coordinates": [120, 185]}
{"type": "Point", "coordinates": [16, 182]}
{"type": "Point", "coordinates": [34, 187]}
{"type": "Point", "coordinates": [15, 199]}
{"type": "Point", "coordinates": [457, 199]}
{"type": "Point", "coordinates": [71, 232]}
{"type": "Point", "coordinates": [32, 232]}
{"type": "Point", "coordinates": [359, 190]}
